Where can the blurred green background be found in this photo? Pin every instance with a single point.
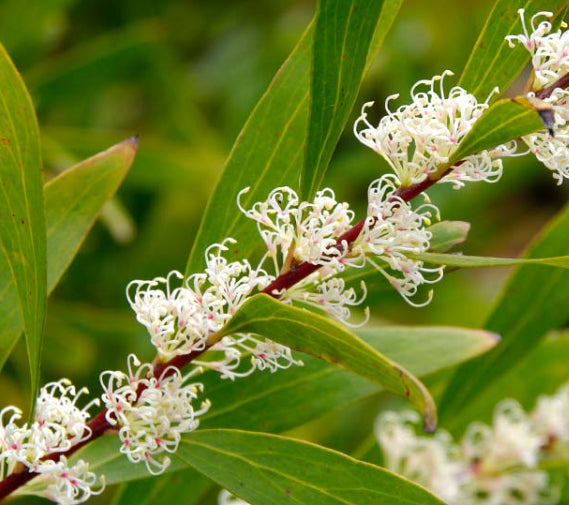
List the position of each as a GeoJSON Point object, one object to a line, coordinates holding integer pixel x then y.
{"type": "Point", "coordinates": [184, 75]}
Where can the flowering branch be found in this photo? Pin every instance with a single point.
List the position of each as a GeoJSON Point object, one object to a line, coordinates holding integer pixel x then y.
{"type": "Point", "coordinates": [308, 245]}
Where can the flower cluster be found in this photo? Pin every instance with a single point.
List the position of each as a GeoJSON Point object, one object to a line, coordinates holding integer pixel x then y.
{"type": "Point", "coordinates": [491, 465]}
{"type": "Point", "coordinates": [58, 425]}
{"type": "Point", "coordinates": [549, 50]}
{"type": "Point", "coordinates": [550, 61]}
{"type": "Point", "coordinates": [151, 412]}
{"type": "Point", "coordinates": [184, 319]}
{"type": "Point", "coordinates": [419, 138]}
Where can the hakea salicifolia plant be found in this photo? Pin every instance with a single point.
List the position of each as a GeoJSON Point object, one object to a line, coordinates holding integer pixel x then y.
{"type": "Point", "coordinates": [308, 247]}
{"type": "Point", "coordinates": [491, 465]}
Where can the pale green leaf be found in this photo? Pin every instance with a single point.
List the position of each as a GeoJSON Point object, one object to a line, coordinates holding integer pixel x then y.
{"type": "Point", "coordinates": [271, 470]}
{"type": "Point", "coordinates": [534, 301]}
{"type": "Point", "coordinates": [344, 31]}
{"type": "Point", "coordinates": [22, 221]}
{"type": "Point", "coordinates": [463, 261]}
{"type": "Point", "coordinates": [73, 202]}
{"type": "Point", "coordinates": [316, 335]}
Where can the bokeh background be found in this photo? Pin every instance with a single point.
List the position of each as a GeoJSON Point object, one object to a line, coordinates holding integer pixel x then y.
{"type": "Point", "coordinates": [184, 75]}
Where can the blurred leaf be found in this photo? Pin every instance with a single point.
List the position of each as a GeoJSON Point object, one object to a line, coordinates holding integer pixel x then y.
{"type": "Point", "coordinates": [505, 120]}
{"type": "Point", "coordinates": [316, 335]}
{"type": "Point", "coordinates": [343, 34]}
{"type": "Point", "coordinates": [287, 399]}
{"type": "Point", "coordinates": [269, 470]}
{"type": "Point", "coordinates": [547, 367]}
{"type": "Point", "coordinates": [459, 260]}
{"type": "Point", "coordinates": [534, 301]}
{"type": "Point", "coordinates": [267, 154]}
{"type": "Point", "coordinates": [492, 61]}
{"type": "Point", "coordinates": [192, 168]}
{"type": "Point", "coordinates": [447, 234]}
{"type": "Point", "coordinates": [88, 67]}
{"type": "Point", "coordinates": [22, 223]}
{"type": "Point", "coordinates": [73, 201]}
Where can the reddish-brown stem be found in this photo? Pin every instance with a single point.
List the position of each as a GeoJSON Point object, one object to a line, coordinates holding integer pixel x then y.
{"type": "Point", "coordinates": [562, 82]}
{"type": "Point", "coordinates": [299, 272]}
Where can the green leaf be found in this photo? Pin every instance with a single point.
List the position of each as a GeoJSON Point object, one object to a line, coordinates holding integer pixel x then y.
{"type": "Point", "coordinates": [459, 260]}
{"type": "Point", "coordinates": [290, 396]}
{"type": "Point", "coordinates": [534, 301]}
{"type": "Point", "coordinates": [492, 62]}
{"type": "Point", "coordinates": [161, 489]}
{"type": "Point", "coordinates": [271, 470]}
{"type": "Point", "coordinates": [316, 335]}
{"type": "Point", "coordinates": [287, 399]}
{"type": "Point", "coordinates": [547, 367]}
{"type": "Point", "coordinates": [22, 222]}
{"type": "Point", "coordinates": [267, 154]}
{"type": "Point", "coordinates": [269, 151]}
{"type": "Point", "coordinates": [503, 121]}
{"type": "Point", "coordinates": [73, 201]}
{"type": "Point", "coordinates": [447, 234]}
{"type": "Point", "coordinates": [343, 34]}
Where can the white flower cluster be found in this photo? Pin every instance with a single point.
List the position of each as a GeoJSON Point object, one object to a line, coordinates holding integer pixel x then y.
{"type": "Point", "coordinates": [550, 61]}
{"type": "Point", "coordinates": [492, 465]}
{"type": "Point", "coordinates": [391, 233]}
{"type": "Point", "coordinates": [57, 426]}
{"type": "Point", "coordinates": [184, 319]}
{"type": "Point", "coordinates": [418, 139]}
{"type": "Point", "coordinates": [549, 50]}
{"type": "Point", "coordinates": [151, 412]}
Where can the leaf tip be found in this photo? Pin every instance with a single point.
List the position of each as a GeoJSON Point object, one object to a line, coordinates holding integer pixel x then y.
{"type": "Point", "coordinates": [133, 141]}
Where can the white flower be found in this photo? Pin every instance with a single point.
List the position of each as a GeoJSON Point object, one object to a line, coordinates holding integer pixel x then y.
{"type": "Point", "coordinates": [392, 232]}
{"type": "Point", "coordinates": [549, 50]}
{"type": "Point", "coordinates": [227, 498]}
{"type": "Point", "coordinates": [58, 425]}
{"type": "Point", "coordinates": [300, 231]}
{"type": "Point", "coordinates": [510, 442]}
{"type": "Point", "coordinates": [151, 413]}
{"type": "Point", "coordinates": [476, 472]}
{"type": "Point", "coordinates": [181, 319]}
{"type": "Point", "coordinates": [263, 354]}
{"type": "Point", "coordinates": [64, 484]}
{"type": "Point", "coordinates": [429, 461]}
{"type": "Point", "coordinates": [418, 139]}
{"type": "Point", "coordinates": [515, 488]}
{"type": "Point", "coordinates": [551, 417]}
{"type": "Point", "coordinates": [553, 151]}
{"type": "Point", "coordinates": [329, 294]}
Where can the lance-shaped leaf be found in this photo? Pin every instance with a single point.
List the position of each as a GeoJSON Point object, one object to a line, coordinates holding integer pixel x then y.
{"type": "Point", "coordinates": [269, 151]}
{"type": "Point", "coordinates": [272, 470]}
{"type": "Point", "coordinates": [285, 400]}
{"type": "Point", "coordinates": [459, 260]}
{"type": "Point", "coordinates": [316, 335]}
{"type": "Point", "coordinates": [343, 34]}
{"type": "Point", "coordinates": [503, 121]}
{"type": "Point", "coordinates": [492, 61]}
{"type": "Point", "coordinates": [22, 222]}
{"type": "Point", "coordinates": [534, 301]}
{"type": "Point", "coordinates": [73, 201]}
